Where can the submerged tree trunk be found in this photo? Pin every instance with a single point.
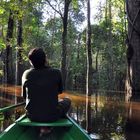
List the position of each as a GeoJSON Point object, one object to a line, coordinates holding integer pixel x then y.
{"type": "Point", "coordinates": [133, 50]}
{"type": "Point", "coordinates": [88, 115]}
{"type": "Point", "coordinates": [89, 54]}
{"type": "Point", "coordinates": [8, 66]}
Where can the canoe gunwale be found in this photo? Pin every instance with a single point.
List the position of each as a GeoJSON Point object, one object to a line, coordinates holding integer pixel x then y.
{"type": "Point", "coordinates": [18, 125]}
{"type": "Point", "coordinates": [11, 107]}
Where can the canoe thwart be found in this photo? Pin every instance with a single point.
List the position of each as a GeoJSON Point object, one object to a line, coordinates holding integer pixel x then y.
{"type": "Point", "coordinates": [27, 122]}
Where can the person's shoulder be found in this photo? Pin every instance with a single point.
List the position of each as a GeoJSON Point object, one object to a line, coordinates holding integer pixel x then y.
{"type": "Point", "coordinates": [28, 71]}
{"type": "Point", "coordinates": [55, 70]}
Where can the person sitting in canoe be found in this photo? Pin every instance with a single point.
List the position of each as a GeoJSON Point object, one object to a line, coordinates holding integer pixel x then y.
{"type": "Point", "coordinates": [41, 85]}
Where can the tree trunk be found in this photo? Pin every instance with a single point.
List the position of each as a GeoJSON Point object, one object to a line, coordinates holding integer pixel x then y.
{"type": "Point", "coordinates": [8, 66]}
{"type": "Point", "coordinates": [89, 55]}
{"type": "Point", "coordinates": [19, 68]}
{"type": "Point", "coordinates": [88, 115]}
{"type": "Point", "coordinates": [133, 50]}
{"type": "Point", "coordinates": [64, 42]}
{"type": "Point", "coordinates": [64, 17]}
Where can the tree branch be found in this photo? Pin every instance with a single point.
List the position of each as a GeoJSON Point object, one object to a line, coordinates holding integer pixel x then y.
{"type": "Point", "coordinates": [59, 12]}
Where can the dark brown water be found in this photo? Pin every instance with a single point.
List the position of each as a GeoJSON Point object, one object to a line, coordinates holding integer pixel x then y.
{"type": "Point", "coordinates": [105, 117]}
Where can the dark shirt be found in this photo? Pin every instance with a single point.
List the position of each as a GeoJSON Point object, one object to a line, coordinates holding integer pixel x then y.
{"type": "Point", "coordinates": [40, 89]}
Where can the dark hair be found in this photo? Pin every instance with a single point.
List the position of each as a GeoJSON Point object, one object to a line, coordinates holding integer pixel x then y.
{"type": "Point", "coordinates": [38, 57]}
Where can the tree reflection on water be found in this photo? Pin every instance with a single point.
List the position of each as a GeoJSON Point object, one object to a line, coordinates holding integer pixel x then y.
{"type": "Point", "coordinates": [108, 117]}
{"type": "Point", "coordinates": [103, 117]}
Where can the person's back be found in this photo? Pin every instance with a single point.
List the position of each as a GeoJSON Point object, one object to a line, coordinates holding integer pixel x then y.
{"type": "Point", "coordinates": [41, 86]}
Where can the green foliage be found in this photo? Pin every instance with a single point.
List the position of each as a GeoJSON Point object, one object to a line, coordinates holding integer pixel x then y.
{"type": "Point", "coordinates": [1, 10]}
{"type": "Point", "coordinates": [2, 45]}
{"type": "Point", "coordinates": [75, 4]}
{"type": "Point", "coordinates": [107, 40]}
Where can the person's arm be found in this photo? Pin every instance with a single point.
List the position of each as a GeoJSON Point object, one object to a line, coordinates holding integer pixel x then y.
{"type": "Point", "coordinates": [23, 92]}
{"type": "Point", "coordinates": [61, 87]}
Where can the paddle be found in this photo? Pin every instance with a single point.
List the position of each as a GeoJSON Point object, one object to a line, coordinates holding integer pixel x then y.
{"type": "Point", "coordinates": [11, 107]}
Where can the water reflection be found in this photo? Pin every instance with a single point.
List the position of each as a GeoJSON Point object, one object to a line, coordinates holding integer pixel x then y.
{"type": "Point", "coordinates": [8, 117]}
{"type": "Point", "coordinates": [103, 117]}
{"type": "Point", "coordinates": [108, 117]}
{"type": "Point", "coordinates": [9, 95]}
{"type": "Point", "coordinates": [133, 121]}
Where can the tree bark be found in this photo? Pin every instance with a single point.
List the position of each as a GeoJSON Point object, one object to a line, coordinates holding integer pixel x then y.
{"type": "Point", "coordinates": [89, 54]}
{"type": "Point", "coordinates": [19, 68]}
{"type": "Point", "coordinates": [19, 62]}
{"type": "Point", "coordinates": [8, 66]}
{"type": "Point", "coordinates": [133, 50]}
{"type": "Point", "coordinates": [64, 42]}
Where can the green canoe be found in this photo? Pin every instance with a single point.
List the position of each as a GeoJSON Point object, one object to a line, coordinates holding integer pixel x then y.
{"type": "Point", "coordinates": [63, 129]}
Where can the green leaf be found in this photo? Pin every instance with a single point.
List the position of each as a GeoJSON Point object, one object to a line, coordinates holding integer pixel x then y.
{"type": "Point", "coordinates": [1, 11]}
{"type": "Point", "coordinates": [2, 46]}
{"type": "Point", "coordinates": [75, 4]}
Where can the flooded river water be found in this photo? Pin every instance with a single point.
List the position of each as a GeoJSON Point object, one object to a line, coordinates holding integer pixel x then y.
{"type": "Point", "coordinates": [103, 116]}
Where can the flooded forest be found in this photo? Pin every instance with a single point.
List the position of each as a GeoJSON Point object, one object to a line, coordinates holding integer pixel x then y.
{"type": "Point", "coordinates": [95, 44]}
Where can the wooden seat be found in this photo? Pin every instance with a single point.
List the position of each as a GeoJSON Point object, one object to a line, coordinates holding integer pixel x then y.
{"type": "Point", "coordinates": [27, 122]}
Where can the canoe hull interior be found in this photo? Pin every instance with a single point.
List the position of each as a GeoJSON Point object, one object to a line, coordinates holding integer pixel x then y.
{"type": "Point", "coordinates": [23, 132]}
